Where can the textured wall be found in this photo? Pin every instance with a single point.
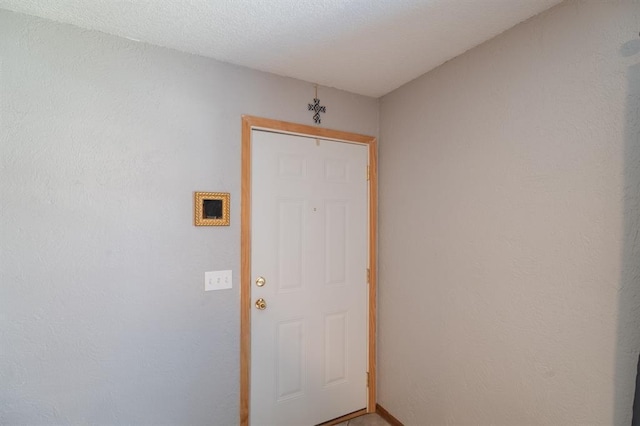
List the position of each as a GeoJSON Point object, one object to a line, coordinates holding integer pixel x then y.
{"type": "Point", "coordinates": [103, 317]}
{"type": "Point", "coordinates": [509, 264]}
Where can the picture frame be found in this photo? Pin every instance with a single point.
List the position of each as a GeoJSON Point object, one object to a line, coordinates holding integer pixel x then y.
{"type": "Point", "coordinates": [211, 208]}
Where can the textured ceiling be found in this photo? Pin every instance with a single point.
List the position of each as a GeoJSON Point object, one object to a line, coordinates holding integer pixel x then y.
{"type": "Point", "coordinates": [363, 46]}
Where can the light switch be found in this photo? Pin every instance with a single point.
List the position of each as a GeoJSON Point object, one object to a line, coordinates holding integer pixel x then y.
{"type": "Point", "coordinates": [217, 280]}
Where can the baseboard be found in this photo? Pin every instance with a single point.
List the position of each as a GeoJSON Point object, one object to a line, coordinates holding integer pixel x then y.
{"type": "Point", "coordinates": [387, 416]}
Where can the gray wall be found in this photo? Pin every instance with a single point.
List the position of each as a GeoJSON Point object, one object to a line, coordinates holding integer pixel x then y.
{"type": "Point", "coordinates": [509, 263]}
{"type": "Point", "coordinates": [103, 317]}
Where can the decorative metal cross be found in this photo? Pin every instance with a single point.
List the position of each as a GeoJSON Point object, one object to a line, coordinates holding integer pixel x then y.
{"type": "Point", "coordinates": [317, 109]}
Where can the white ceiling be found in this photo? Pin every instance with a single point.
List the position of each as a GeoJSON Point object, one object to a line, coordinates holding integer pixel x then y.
{"type": "Point", "coordinates": [368, 47]}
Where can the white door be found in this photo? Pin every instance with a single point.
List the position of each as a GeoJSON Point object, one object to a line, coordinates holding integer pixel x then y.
{"type": "Point", "coordinates": [309, 241]}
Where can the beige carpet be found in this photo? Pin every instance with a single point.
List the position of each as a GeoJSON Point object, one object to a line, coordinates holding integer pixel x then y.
{"type": "Point", "coordinates": [366, 420]}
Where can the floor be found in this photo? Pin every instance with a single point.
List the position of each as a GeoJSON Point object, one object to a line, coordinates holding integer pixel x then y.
{"type": "Point", "coordinates": [366, 420]}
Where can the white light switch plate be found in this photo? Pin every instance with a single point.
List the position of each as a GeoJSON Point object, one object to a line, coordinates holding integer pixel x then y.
{"type": "Point", "coordinates": [217, 280]}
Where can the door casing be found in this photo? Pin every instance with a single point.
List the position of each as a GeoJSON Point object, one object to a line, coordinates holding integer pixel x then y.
{"type": "Point", "coordinates": [248, 124]}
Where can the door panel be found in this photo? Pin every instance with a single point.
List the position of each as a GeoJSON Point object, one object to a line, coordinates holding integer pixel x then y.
{"type": "Point", "coordinates": [290, 245]}
{"type": "Point", "coordinates": [309, 240]}
{"type": "Point", "coordinates": [290, 358]}
{"type": "Point", "coordinates": [336, 356]}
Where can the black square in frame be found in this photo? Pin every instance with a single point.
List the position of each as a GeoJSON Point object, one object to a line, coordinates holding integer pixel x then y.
{"type": "Point", "coordinates": [212, 209]}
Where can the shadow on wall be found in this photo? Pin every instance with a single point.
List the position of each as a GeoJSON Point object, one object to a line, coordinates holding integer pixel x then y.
{"type": "Point", "coordinates": [628, 333]}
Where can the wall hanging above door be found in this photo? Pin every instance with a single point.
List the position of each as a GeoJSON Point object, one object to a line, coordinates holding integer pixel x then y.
{"type": "Point", "coordinates": [317, 108]}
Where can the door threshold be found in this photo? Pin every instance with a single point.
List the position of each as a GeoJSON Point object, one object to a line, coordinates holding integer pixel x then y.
{"type": "Point", "coordinates": [349, 416]}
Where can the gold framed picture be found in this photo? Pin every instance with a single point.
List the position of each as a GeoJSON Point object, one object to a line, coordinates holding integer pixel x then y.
{"type": "Point", "coordinates": [211, 208]}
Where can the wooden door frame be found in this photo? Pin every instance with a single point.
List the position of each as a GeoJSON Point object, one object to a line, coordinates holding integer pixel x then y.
{"type": "Point", "coordinates": [249, 123]}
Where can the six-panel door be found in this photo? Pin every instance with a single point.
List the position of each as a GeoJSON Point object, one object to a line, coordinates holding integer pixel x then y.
{"type": "Point", "coordinates": [309, 241]}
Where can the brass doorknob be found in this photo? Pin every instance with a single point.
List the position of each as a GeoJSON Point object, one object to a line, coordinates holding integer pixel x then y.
{"type": "Point", "coordinates": [261, 304]}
